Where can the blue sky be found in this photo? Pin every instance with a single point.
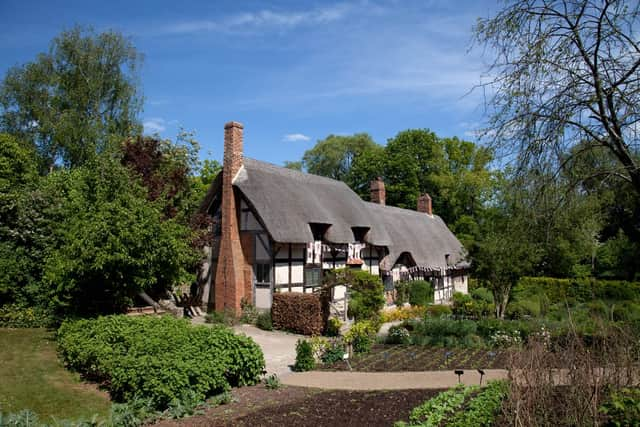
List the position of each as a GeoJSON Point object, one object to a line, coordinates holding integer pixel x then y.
{"type": "Point", "coordinates": [293, 72]}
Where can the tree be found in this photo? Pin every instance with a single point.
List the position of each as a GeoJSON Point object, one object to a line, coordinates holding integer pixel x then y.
{"type": "Point", "coordinates": [71, 102]}
{"type": "Point", "coordinates": [567, 73]}
{"type": "Point", "coordinates": [295, 165]}
{"type": "Point", "coordinates": [112, 241]}
{"type": "Point", "coordinates": [334, 155]}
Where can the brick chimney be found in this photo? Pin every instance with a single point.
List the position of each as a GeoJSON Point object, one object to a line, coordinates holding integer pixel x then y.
{"type": "Point", "coordinates": [230, 277]}
{"type": "Point", "coordinates": [424, 204]}
{"type": "Point", "coordinates": [378, 193]}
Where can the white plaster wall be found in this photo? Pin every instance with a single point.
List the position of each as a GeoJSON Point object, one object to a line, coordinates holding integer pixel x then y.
{"type": "Point", "coordinates": [297, 272]}
{"type": "Point", "coordinates": [282, 274]}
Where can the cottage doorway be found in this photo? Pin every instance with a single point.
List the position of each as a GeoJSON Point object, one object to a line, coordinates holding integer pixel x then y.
{"type": "Point", "coordinates": [262, 272]}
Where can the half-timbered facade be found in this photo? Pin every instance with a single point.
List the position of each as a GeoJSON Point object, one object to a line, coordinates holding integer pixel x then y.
{"type": "Point", "coordinates": [279, 230]}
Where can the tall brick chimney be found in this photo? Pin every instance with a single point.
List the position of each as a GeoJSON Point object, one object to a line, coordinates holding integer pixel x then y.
{"type": "Point", "coordinates": [424, 204]}
{"type": "Point", "coordinates": [230, 278]}
{"type": "Point", "coordinates": [378, 193]}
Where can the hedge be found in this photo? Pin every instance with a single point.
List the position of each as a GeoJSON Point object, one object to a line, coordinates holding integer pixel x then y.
{"type": "Point", "coordinates": [159, 358]}
{"type": "Point", "coordinates": [297, 312]}
{"type": "Point", "coordinates": [576, 290]}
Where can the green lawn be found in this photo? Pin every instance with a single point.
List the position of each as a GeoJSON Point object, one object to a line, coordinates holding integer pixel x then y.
{"type": "Point", "coordinates": [32, 377]}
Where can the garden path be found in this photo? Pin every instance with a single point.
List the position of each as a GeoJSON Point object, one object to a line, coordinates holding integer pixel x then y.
{"type": "Point", "coordinates": [389, 380]}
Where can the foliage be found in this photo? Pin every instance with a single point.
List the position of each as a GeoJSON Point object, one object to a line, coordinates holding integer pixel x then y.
{"type": "Point", "coordinates": [272, 382]}
{"type": "Point", "coordinates": [420, 292]}
{"type": "Point", "coordinates": [444, 332]}
{"type": "Point", "coordinates": [333, 353]}
{"type": "Point", "coordinates": [565, 88]}
{"type": "Point", "coordinates": [220, 317]}
{"type": "Point", "coordinates": [297, 312]}
{"type": "Point", "coordinates": [333, 327]}
{"type": "Point", "coordinates": [366, 292]}
{"type": "Point", "coordinates": [318, 346]}
{"type": "Point", "coordinates": [263, 321]}
{"type": "Point", "coordinates": [249, 312]}
{"type": "Point", "coordinates": [334, 155]}
{"type": "Point", "coordinates": [398, 334]}
{"type": "Point", "coordinates": [462, 304]}
{"type": "Point", "coordinates": [159, 357]}
{"type": "Point", "coordinates": [402, 313]}
{"type": "Point", "coordinates": [17, 316]}
{"type": "Point", "coordinates": [361, 335]}
{"type": "Point", "coordinates": [401, 292]}
{"type": "Point", "coordinates": [437, 409]}
{"type": "Point", "coordinates": [72, 102]}
{"type": "Point", "coordinates": [305, 360]}
{"type": "Point", "coordinates": [134, 413]}
{"type": "Point", "coordinates": [622, 408]}
{"type": "Point", "coordinates": [113, 242]}
{"type": "Point", "coordinates": [438, 310]}
{"type": "Point", "coordinates": [483, 408]}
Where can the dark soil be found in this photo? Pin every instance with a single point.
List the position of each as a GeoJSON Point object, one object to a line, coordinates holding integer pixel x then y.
{"type": "Point", "coordinates": [298, 406]}
{"type": "Point", "coordinates": [417, 358]}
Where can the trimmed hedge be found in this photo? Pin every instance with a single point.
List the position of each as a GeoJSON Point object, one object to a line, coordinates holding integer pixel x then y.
{"type": "Point", "coordinates": [576, 290]}
{"type": "Point", "coordinates": [159, 358]}
{"type": "Point", "coordinates": [297, 312]}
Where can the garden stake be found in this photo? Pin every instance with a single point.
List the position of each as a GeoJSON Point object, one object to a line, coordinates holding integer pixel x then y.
{"type": "Point", "coordinates": [459, 372]}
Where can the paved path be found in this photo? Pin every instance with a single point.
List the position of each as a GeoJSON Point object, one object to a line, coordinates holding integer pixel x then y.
{"type": "Point", "coordinates": [389, 380]}
{"type": "Point", "coordinates": [279, 348]}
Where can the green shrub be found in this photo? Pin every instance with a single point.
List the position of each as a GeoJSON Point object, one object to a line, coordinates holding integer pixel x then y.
{"type": "Point", "coordinates": [438, 310]}
{"type": "Point", "coordinates": [444, 332]}
{"type": "Point", "coordinates": [249, 314]}
{"type": "Point", "coordinates": [622, 407]}
{"type": "Point", "coordinates": [398, 334]}
{"type": "Point", "coordinates": [333, 327]}
{"type": "Point", "coordinates": [263, 321]}
{"type": "Point", "coordinates": [529, 307]}
{"type": "Point", "coordinates": [401, 292]}
{"type": "Point", "coordinates": [297, 312]}
{"type": "Point", "coordinates": [159, 357]}
{"type": "Point", "coordinates": [366, 294]}
{"type": "Point", "coordinates": [462, 304]}
{"type": "Point", "coordinates": [333, 353]}
{"type": "Point", "coordinates": [420, 292]}
{"type": "Point", "coordinates": [305, 360]}
{"type": "Point", "coordinates": [17, 316]}
{"type": "Point", "coordinates": [577, 290]}
{"type": "Point", "coordinates": [361, 335]}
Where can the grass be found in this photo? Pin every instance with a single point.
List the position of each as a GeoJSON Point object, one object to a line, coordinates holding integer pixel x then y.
{"type": "Point", "coordinates": [32, 377]}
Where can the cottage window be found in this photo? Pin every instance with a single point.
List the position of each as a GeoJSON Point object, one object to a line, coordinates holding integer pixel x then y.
{"type": "Point", "coordinates": [263, 273]}
{"type": "Point", "coordinates": [312, 276]}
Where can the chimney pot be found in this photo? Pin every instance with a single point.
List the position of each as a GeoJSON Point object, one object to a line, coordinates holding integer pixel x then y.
{"type": "Point", "coordinates": [424, 204]}
{"type": "Point", "coordinates": [378, 192]}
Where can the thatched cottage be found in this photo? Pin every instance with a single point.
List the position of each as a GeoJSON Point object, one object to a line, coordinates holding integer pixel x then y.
{"type": "Point", "coordinates": [278, 230]}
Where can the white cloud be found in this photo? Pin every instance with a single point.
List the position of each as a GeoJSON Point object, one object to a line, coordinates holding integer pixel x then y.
{"type": "Point", "coordinates": [294, 137]}
{"type": "Point", "coordinates": [262, 19]}
{"type": "Point", "coordinates": [154, 125]}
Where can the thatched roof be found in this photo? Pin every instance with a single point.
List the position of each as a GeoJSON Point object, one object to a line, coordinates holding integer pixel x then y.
{"type": "Point", "coordinates": [288, 201]}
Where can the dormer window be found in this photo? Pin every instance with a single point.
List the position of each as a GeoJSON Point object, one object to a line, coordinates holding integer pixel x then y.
{"type": "Point", "coordinates": [359, 233]}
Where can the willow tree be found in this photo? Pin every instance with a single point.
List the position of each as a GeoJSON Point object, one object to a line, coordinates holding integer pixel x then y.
{"type": "Point", "coordinates": [567, 73]}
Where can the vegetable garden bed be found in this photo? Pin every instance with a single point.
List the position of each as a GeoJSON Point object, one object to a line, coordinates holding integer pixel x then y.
{"type": "Point", "coordinates": [383, 358]}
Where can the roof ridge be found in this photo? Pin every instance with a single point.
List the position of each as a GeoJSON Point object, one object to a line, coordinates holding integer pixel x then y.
{"type": "Point", "coordinates": [296, 172]}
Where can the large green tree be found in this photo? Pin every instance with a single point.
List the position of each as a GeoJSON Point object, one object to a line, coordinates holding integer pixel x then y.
{"type": "Point", "coordinates": [334, 155]}
{"type": "Point", "coordinates": [72, 101]}
{"type": "Point", "coordinates": [566, 74]}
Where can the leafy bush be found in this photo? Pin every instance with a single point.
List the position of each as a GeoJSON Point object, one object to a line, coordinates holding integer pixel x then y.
{"type": "Point", "coordinates": [528, 307]}
{"type": "Point", "coordinates": [297, 312]}
{"type": "Point", "coordinates": [462, 305]}
{"type": "Point", "coordinates": [249, 314]}
{"type": "Point", "coordinates": [622, 408]}
{"type": "Point", "coordinates": [220, 318]}
{"type": "Point", "coordinates": [577, 290]}
{"type": "Point", "coordinates": [445, 333]}
{"type": "Point", "coordinates": [333, 353]}
{"type": "Point", "coordinates": [401, 292]}
{"type": "Point", "coordinates": [366, 294]}
{"type": "Point", "coordinates": [403, 313]}
{"type": "Point", "coordinates": [483, 408]}
{"type": "Point", "coordinates": [159, 357]}
{"type": "Point", "coordinates": [263, 321]}
{"type": "Point", "coordinates": [333, 327]}
{"type": "Point", "coordinates": [361, 335]}
{"type": "Point", "coordinates": [17, 316]}
{"type": "Point", "coordinates": [438, 310]}
{"type": "Point", "coordinates": [398, 334]}
{"type": "Point", "coordinates": [420, 292]}
{"type": "Point", "coordinates": [304, 357]}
